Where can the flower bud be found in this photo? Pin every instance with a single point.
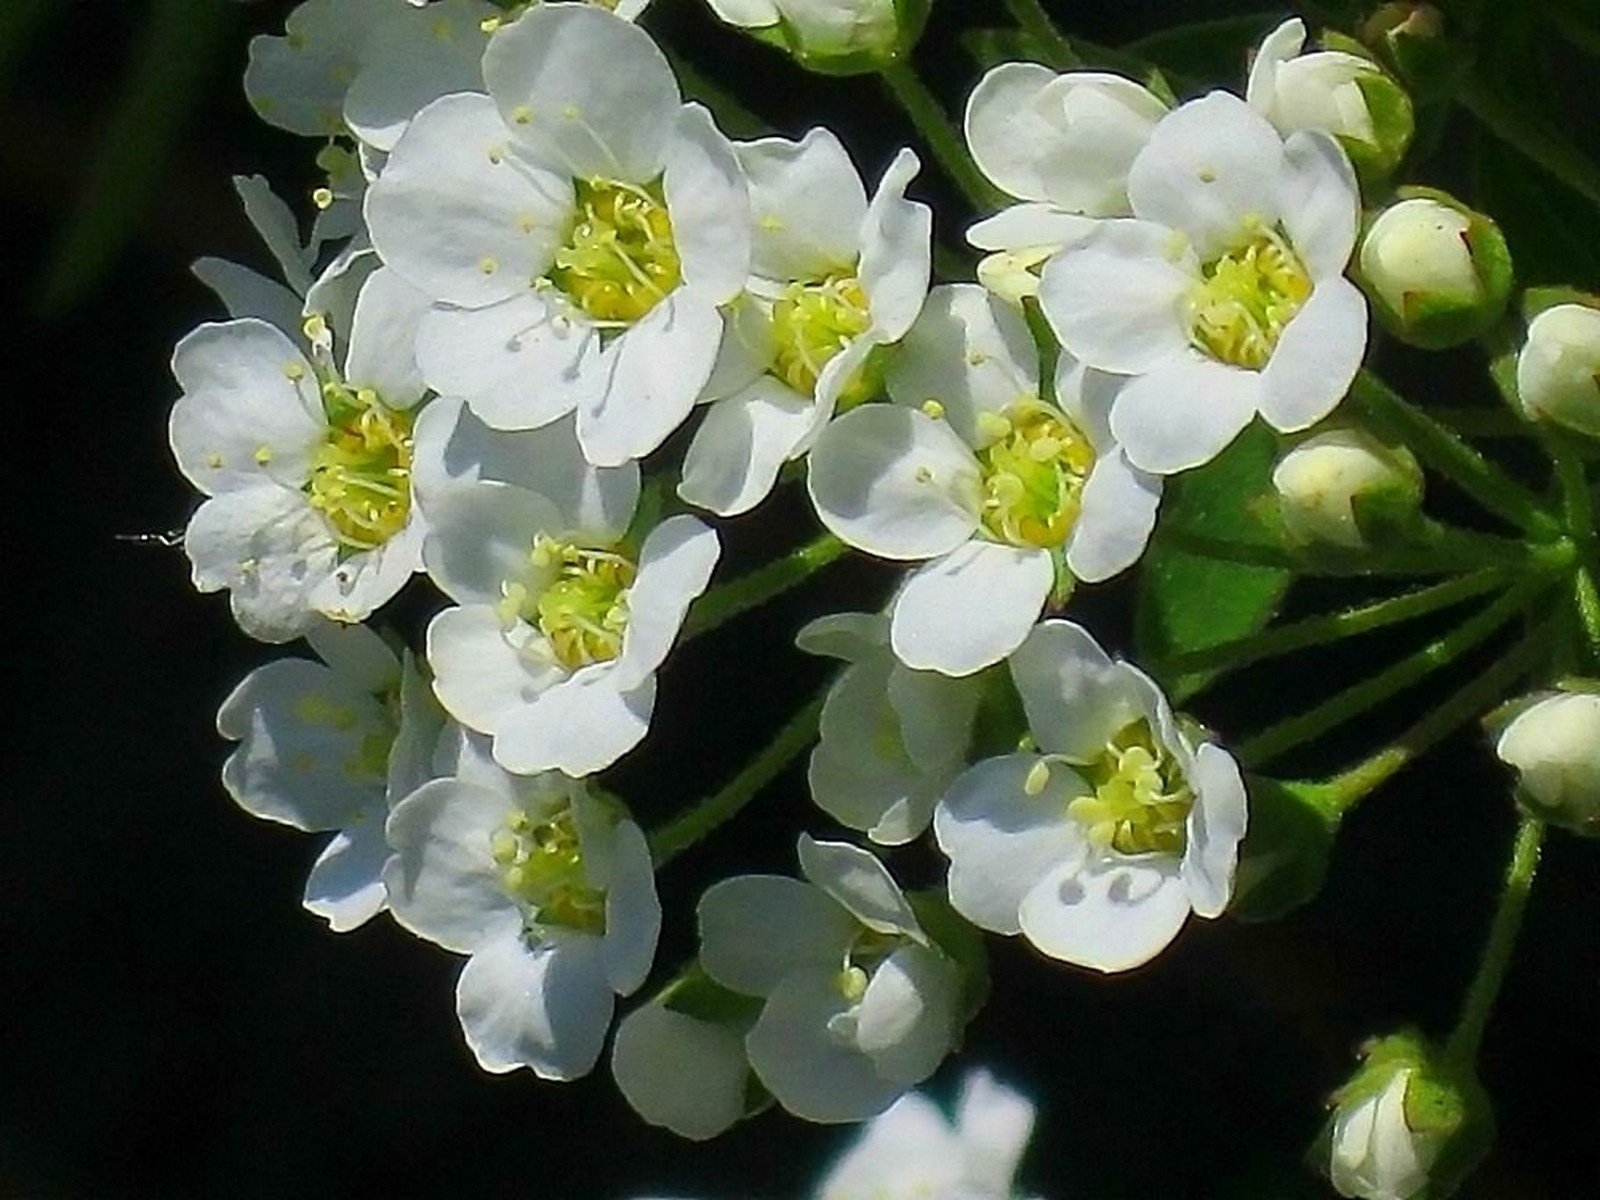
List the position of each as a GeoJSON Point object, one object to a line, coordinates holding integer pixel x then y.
{"type": "Point", "coordinates": [1438, 273]}
{"type": "Point", "coordinates": [1554, 745]}
{"type": "Point", "coordinates": [833, 37]}
{"type": "Point", "coordinates": [1404, 1126]}
{"type": "Point", "coordinates": [1338, 90]}
{"type": "Point", "coordinates": [1411, 39]}
{"type": "Point", "coordinates": [1558, 370]}
{"type": "Point", "coordinates": [1345, 488]}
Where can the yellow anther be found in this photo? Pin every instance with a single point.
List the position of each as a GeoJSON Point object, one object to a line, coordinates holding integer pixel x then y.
{"type": "Point", "coordinates": [488, 265]}
{"type": "Point", "coordinates": [812, 321]}
{"type": "Point", "coordinates": [771, 223]}
{"type": "Point", "coordinates": [1141, 800]}
{"type": "Point", "coordinates": [263, 455]}
{"type": "Point", "coordinates": [526, 223]}
{"type": "Point", "coordinates": [322, 197]}
{"type": "Point", "coordinates": [853, 983]}
{"type": "Point", "coordinates": [992, 426]}
{"type": "Point", "coordinates": [924, 474]}
{"type": "Point", "coordinates": [976, 358]}
{"type": "Point", "coordinates": [1206, 175]}
{"type": "Point", "coordinates": [1246, 297]}
{"type": "Point", "coordinates": [314, 327]}
{"type": "Point", "coordinates": [620, 258]}
{"type": "Point", "coordinates": [578, 598]}
{"type": "Point", "coordinates": [1038, 778]}
{"type": "Point", "coordinates": [293, 372]}
{"type": "Point", "coordinates": [1033, 468]}
{"type": "Point", "coordinates": [933, 409]}
{"type": "Point", "coordinates": [497, 154]}
{"type": "Point", "coordinates": [361, 474]}
{"type": "Point", "coordinates": [489, 24]}
{"type": "Point", "coordinates": [214, 461]}
{"type": "Point", "coordinates": [571, 112]}
{"type": "Point", "coordinates": [522, 114]}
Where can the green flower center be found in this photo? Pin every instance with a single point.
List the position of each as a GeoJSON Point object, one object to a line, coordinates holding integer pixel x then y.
{"type": "Point", "coordinates": [541, 864]}
{"type": "Point", "coordinates": [811, 322]}
{"type": "Point", "coordinates": [1246, 298]}
{"type": "Point", "coordinates": [620, 258]}
{"type": "Point", "coordinates": [1032, 472]}
{"type": "Point", "coordinates": [1141, 800]}
{"type": "Point", "coordinates": [582, 607]}
{"type": "Point", "coordinates": [361, 474]}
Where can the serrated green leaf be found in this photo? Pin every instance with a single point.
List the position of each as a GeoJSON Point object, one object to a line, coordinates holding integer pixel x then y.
{"type": "Point", "coordinates": [1188, 601]}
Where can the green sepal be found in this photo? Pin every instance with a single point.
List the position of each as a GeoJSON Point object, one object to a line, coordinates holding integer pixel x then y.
{"type": "Point", "coordinates": [961, 942]}
{"type": "Point", "coordinates": [1393, 126]}
{"type": "Point", "coordinates": [910, 17]}
{"type": "Point", "coordinates": [1286, 850]}
{"type": "Point", "coordinates": [1188, 601]}
{"type": "Point", "coordinates": [1536, 300]}
{"type": "Point", "coordinates": [1155, 81]}
{"type": "Point", "coordinates": [695, 994]}
{"type": "Point", "coordinates": [1411, 40]}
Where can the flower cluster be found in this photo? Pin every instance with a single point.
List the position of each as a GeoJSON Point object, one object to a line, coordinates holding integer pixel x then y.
{"type": "Point", "coordinates": [552, 326]}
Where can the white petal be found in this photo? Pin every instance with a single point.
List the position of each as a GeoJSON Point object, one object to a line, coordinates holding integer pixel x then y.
{"type": "Point", "coordinates": [1316, 358]}
{"type": "Point", "coordinates": [687, 1075]}
{"type": "Point", "coordinates": [960, 613]}
{"type": "Point", "coordinates": [1110, 916]}
{"type": "Point", "coordinates": [807, 204]}
{"type": "Point", "coordinates": [860, 773]}
{"type": "Point", "coordinates": [994, 1123]}
{"type": "Point", "coordinates": [458, 214]}
{"type": "Point", "coordinates": [894, 482]}
{"type": "Point", "coordinates": [1321, 202]}
{"type": "Point", "coordinates": [1184, 412]}
{"type": "Point", "coordinates": [545, 1007]}
{"type": "Point", "coordinates": [1117, 300]}
{"type": "Point", "coordinates": [1210, 164]}
{"type": "Point", "coordinates": [749, 14]}
{"type": "Point", "coordinates": [741, 445]}
{"type": "Point", "coordinates": [812, 1072]}
{"type": "Point", "coordinates": [675, 565]}
{"type": "Point", "coordinates": [413, 62]}
{"type": "Point", "coordinates": [345, 887]}
{"type": "Point", "coordinates": [1001, 841]}
{"type": "Point", "coordinates": [356, 652]}
{"type": "Point", "coordinates": [383, 336]}
{"type": "Point", "coordinates": [578, 726]}
{"type": "Point", "coordinates": [1277, 48]}
{"type": "Point", "coordinates": [896, 241]}
{"type": "Point", "coordinates": [584, 91]}
{"type": "Point", "coordinates": [907, 1015]}
{"type": "Point", "coordinates": [755, 929]}
{"type": "Point", "coordinates": [479, 677]}
{"type": "Point", "coordinates": [936, 714]}
{"type": "Point", "coordinates": [271, 549]}
{"type": "Point", "coordinates": [1216, 826]}
{"type": "Point", "coordinates": [245, 293]}
{"type": "Point", "coordinates": [633, 912]}
{"type": "Point", "coordinates": [908, 1151]}
{"type": "Point", "coordinates": [857, 879]}
{"type": "Point", "coordinates": [1119, 511]}
{"type": "Point", "coordinates": [709, 206]}
{"type": "Point", "coordinates": [1025, 226]}
{"type": "Point", "coordinates": [1075, 695]}
{"type": "Point", "coordinates": [849, 636]}
{"type": "Point", "coordinates": [480, 536]}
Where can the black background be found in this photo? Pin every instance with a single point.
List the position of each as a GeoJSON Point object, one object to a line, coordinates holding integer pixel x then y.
{"type": "Point", "coordinates": [173, 1024]}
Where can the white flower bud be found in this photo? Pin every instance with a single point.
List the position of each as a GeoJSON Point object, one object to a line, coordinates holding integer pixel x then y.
{"type": "Point", "coordinates": [836, 36]}
{"type": "Point", "coordinates": [1438, 273]}
{"type": "Point", "coordinates": [1558, 370]}
{"type": "Point", "coordinates": [1555, 747]}
{"type": "Point", "coordinates": [1377, 1154]}
{"type": "Point", "coordinates": [1344, 487]}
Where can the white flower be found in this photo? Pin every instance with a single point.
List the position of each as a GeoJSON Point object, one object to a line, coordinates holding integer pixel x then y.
{"type": "Point", "coordinates": [891, 739]}
{"type": "Point", "coordinates": [1060, 143]}
{"type": "Point", "coordinates": [834, 278]}
{"type": "Point", "coordinates": [332, 747]}
{"type": "Point", "coordinates": [1337, 486]}
{"type": "Point", "coordinates": [824, 28]}
{"type": "Point", "coordinates": [548, 889]}
{"type": "Point", "coordinates": [1554, 744]}
{"type": "Point", "coordinates": [1097, 847]}
{"type": "Point", "coordinates": [306, 468]}
{"type": "Point", "coordinates": [1376, 1154]}
{"type": "Point", "coordinates": [911, 1152]}
{"type": "Point", "coordinates": [860, 1004]}
{"type": "Point", "coordinates": [561, 625]}
{"type": "Point", "coordinates": [1558, 369]}
{"type": "Point", "coordinates": [579, 227]}
{"type": "Point", "coordinates": [971, 471]}
{"type": "Point", "coordinates": [365, 66]}
{"type": "Point", "coordinates": [1223, 295]}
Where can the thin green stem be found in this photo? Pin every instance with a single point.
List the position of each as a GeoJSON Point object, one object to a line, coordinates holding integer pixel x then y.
{"type": "Point", "coordinates": [1356, 700]}
{"type": "Point", "coordinates": [1438, 446]}
{"type": "Point", "coordinates": [1588, 599]}
{"type": "Point", "coordinates": [1439, 550]}
{"type": "Point", "coordinates": [1333, 627]}
{"type": "Point", "coordinates": [1483, 423]}
{"type": "Point", "coordinates": [940, 134]}
{"type": "Point", "coordinates": [1341, 793]}
{"type": "Point", "coordinates": [1577, 510]}
{"type": "Point", "coordinates": [751, 590]}
{"type": "Point", "coordinates": [1032, 19]}
{"type": "Point", "coordinates": [1461, 1050]}
{"type": "Point", "coordinates": [683, 831]}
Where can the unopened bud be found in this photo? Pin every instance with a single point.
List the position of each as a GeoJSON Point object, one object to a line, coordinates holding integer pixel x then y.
{"type": "Point", "coordinates": [1345, 488]}
{"type": "Point", "coordinates": [1554, 745]}
{"type": "Point", "coordinates": [834, 37]}
{"type": "Point", "coordinates": [1558, 370]}
{"type": "Point", "coordinates": [1437, 272]}
{"type": "Point", "coordinates": [1411, 39]}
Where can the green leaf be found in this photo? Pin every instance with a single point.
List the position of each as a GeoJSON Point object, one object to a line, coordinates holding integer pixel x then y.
{"type": "Point", "coordinates": [1549, 228]}
{"type": "Point", "coordinates": [1188, 601]}
{"type": "Point", "coordinates": [1206, 50]}
{"type": "Point", "coordinates": [177, 48]}
{"type": "Point", "coordinates": [1285, 853]}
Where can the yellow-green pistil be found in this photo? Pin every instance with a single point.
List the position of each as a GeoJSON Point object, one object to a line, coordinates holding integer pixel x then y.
{"type": "Point", "coordinates": [1246, 298]}
{"type": "Point", "coordinates": [541, 864]}
{"type": "Point", "coordinates": [814, 320]}
{"type": "Point", "coordinates": [361, 474]}
{"type": "Point", "coordinates": [620, 259]}
{"type": "Point", "coordinates": [581, 606]}
{"type": "Point", "coordinates": [1141, 800]}
{"type": "Point", "coordinates": [1033, 471]}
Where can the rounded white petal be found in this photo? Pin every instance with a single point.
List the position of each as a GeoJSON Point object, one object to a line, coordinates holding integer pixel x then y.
{"type": "Point", "coordinates": [896, 251]}
{"type": "Point", "coordinates": [345, 887]}
{"type": "Point", "coordinates": [383, 337]}
{"type": "Point", "coordinates": [709, 206]}
{"type": "Point", "coordinates": [848, 636]}
{"type": "Point", "coordinates": [807, 205]}
{"type": "Point", "coordinates": [584, 91]}
{"type": "Point", "coordinates": [994, 1124]}
{"type": "Point", "coordinates": [479, 676]}
{"type": "Point", "coordinates": [675, 565]}
{"type": "Point", "coordinates": [1321, 202]}
{"type": "Point", "coordinates": [1118, 513]}
{"type": "Point", "coordinates": [742, 444]}
{"type": "Point", "coordinates": [633, 912]}
{"type": "Point", "coordinates": [860, 773]}
{"type": "Point", "coordinates": [687, 1075]}
{"type": "Point", "coordinates": [1001, 841]}
{"type": "Point", "coordinates": [545, 1006]}
{"type": "Point", "coordinates": [578, 726]}
{"type": "Point", "coordinates": [1111, 916]}
{"type": "Point", "coordinates": [412, 62]}
{"type": "Point", "coordinates": [1277, 48]}
{"type": "Point", "coordinates": [906, 1020]}
{"type": "Point", "coordinates": [857, 879]}
{"type": "Point", "coordinates": [1076, 696]}
{"type": "Point", "coordinates": [1216, 826]}
{"type": "Point", "coordinates": [480, 535]}
{"type": "Point", "coordinates": [1209, 165]}
{"type": "Point", "coordinates": [935, 714]}
{"type": "Point", "coordinates": [270, 549]}
{"type": "Point", "coordinates": [756, 929]}
{"type": "Point", "coordinates": [1030, 226]}
{"type": "Point", "coordinates": [970, 608]}
{"type": "Point", "coordinates": [907, 1151]}
{"type": "Point", "coordinates": [1118, 300]}
{"type": "Point", "coordinates": [895, 483]}
{"type": "Point", "coordinates": [1184, 412]}
{"type": "Point", "coordinates": [1316, 358]}
{"type": "Point", "coordinates": [1558, 368]}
